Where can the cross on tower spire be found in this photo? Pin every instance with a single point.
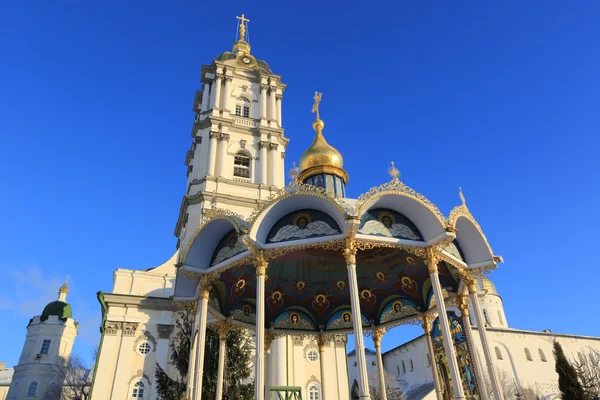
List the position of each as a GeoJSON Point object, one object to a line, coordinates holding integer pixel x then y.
{"type": "Point", "coordinates": [243, 20]}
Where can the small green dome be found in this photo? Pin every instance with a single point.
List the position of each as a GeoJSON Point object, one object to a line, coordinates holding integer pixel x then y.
{"type": "Point", "coordinates": [59, 308]}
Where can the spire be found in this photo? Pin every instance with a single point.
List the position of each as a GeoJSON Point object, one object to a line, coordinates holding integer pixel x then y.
{"type": "Point", "coordinates": [64, 289]}
{"type": "Point", "coordinates": [242, 45]}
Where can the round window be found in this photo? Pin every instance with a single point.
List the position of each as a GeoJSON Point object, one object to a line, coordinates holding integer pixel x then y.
{"type": "Point", "coordinates": [144, 348]}
{"type": "Point", "coordinates": [312, 355]}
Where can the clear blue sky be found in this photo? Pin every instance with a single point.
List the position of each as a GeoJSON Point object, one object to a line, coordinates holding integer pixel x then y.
{"type": "Point", "coordinates": [501, 98]}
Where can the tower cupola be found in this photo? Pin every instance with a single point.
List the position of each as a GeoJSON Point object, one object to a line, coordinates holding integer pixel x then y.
{"type": "Point", "coordinates": [321, 164]}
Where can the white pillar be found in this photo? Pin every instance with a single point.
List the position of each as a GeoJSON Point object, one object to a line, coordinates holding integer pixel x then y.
{"type": "Point", "coordinates": [205, 96]}
{"type": "Point", "coordinates": [483, 336]}
{"type": "Point", "coordinates": [192, 361]}
{"type": "Point", "coordinates": [432, 266]}
{"type": "Point", "coordinates": [273, 153]}
{"type": "Point", "coordinates": [221, 366]}
{"type": "Point", "coordinates": [226, 93]}
{"type": "Point", "coordinates": [162, 352]}
{"type": "Point", "coordinates": [279, 364]}
{"type": "Point", "coordinates": [463, 306]}
{"type": "Point", "coordinates": [433, 363]}
{"type": "Point", "coordinates": [263, 161]}
{"type": "Point", "coordinates": [273, 113]}
{"type": "Point", "coordinates": [377, 336]}
{"type": "Point", "coordinates": [263, 100]}
{"type": "Point", "coordinates": [278, 98]}
{"type": "Point", "coordinates": [321, 342]}
{"type": "Point", "coordinates": [359, 341]}
{"type": "Point", "coordinates": [259, 365]}
{"type": "Point", "coordinates": [201, 315]}
{"type": "Point", "coordinates": [270, 365]}
{"type": "Point", "coordinates": [222, 157]}
{"type": "Point", "coordinates": [197, 157]}
{"type": "Point", "coordinates": [217, 103]}
{"type": "Point", "coordinates": [212, 153]}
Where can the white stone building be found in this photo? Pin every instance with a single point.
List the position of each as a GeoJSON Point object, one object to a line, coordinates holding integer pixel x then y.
{"type": "Point", "coordinates": [49, 340]}
{"type": "Point", "coordinates": [524, 359]}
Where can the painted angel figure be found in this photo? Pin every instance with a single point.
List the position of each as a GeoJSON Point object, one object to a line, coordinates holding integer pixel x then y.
{"type": "Point", "coordinates": [234, 247]}
{"type": "Point", "coordinates": [303, 228]}
{"type": "Point", "coordinates": [386, 225]}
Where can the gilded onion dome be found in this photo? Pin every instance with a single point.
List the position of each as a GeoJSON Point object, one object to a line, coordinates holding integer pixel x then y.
{"type": "Point", "coordinates": [321, 164]}
{"type": "Point", "coordinates": [488, 286]}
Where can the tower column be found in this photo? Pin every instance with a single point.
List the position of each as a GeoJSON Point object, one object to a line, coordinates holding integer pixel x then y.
{"type": "Point", "coordinates": [201, 316]}
{"type": "Point", "coordinates": [263, 100]}
{"type": "Point", "coordinates": [224, 139]}
{"type": "Point", "coordinates": [223, 331]}
{"type": "Point", "coordinates": [259, 366]}
{"type": "Point", "coordinates": [278, 97]}
{"type": "Point", "coordinates": [273, 152]}
{"type": "Point", "coordinates": [432, 267]}
{"type": "Point", "coordinates": [270, 364]}
{"type": "Point", "coordinates": [205, 95]}
{"type": "Point", "coordinates": [196, 160]}
{"type": "Point", "coordinates": [273, 113]}
{"type": "Point", "coordinates": [472, 286]}
{"type": "Point", "coordinates": [463, 306]}
{"type": "Point", "coordinates": [218, 90]}
{"type": "Point", "coordinates": [377, 336]}
{"type": "Point", "coordinates": [226, 92]}
{"type": "Point", "coordinates": [321, 342]}
{"type": "Point", "coordinates": [433, 363]}
{"type": "Point", "coordinates": [263, 161]}
{"type": "Point", "coordinates": [359, 342]}
{"type": "Point", "coordinates": [212, 153]}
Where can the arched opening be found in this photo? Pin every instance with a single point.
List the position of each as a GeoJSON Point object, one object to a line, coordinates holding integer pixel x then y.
{"type": "Point", "coordinates": [486, 317]}
{"type": "Point", "coordinates": [500, 317]}
{"type": "Point", "coordinates": [542, 355]}
{"type": "Point", "coordinates": [528, 354]}
{"type": "Point", "coordinates": [313, 392]}
{"type": "Point", "coordinates": [498, 353]}
{"type": "Point", "coordinates": [137, 390]}
{"type": "Point", "coordinates": [32, 389]}
{"type": "Point", "coordinates": [242, 107]}
{"type": "Point", "coordinates": [241, 165]}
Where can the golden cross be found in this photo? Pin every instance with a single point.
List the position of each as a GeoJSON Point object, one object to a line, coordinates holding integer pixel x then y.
{"type": "Point", "coordinates": [462, 196]}
{"type": "Point", "coordinates": [242, 26]}
{"type": "Point", "coordinates": [315, 108]}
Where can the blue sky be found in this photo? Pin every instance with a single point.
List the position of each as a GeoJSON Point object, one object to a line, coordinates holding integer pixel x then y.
{"type": "Point", "coordinates": [500, 98]}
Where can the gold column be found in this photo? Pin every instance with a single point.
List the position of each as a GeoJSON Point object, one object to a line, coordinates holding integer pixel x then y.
{"type": "Point", "coordinates": [463, 306]}
{"type": "Point", "coordinates": [321, 340]}
{"type": "Point", "coordinates": [433, 362]}
{"type": "Point", "coordinates": [377, 336]}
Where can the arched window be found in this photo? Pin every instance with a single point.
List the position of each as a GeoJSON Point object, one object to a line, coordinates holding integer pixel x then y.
{"type": "Point", "coordinates": [403, 367]}
{"type": "Point", "coordinates": [355, 363]}
{"type": "Point", "coordinates": [45, 346]}
{"type": "Point", "coordinates": [412, 366]}
{"type": "Point", "coordinates": [138, 390]}
{"type": "Point", "coordinates": [428, 360]}
{"type": "Point", "coordinates": [542, 355]}
{"type": "Point", "coordinates": [485, 316]}
{"type": "Point", "coordinates": [32, 389]}
{"type": "Point", "coordinates": [242, 107]}
{"type": "Point", "coordinates": [500, 317]}
{"type": "Point", "coordinates": [498, 353]}
{"type": "Point", "coordinates": [313, 392]}
{"type": "Point", "coordinates": [397, 366]}
{"type": "Point", "coordinates": [241, 165]}
{"type": "Point", "coordinates": [528, 354]}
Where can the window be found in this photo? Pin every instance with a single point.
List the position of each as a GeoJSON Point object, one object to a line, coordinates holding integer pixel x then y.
{"type": "Point", "coordinates": [238, 109]}
{"type": "Point", "coordinates": [241, 165]}
{"type": "Point", "coordinates": [45, 347]}
{"type": "Point", "coordinates": [373, 363]}
{"type": "Point", "coordinates": [485, 316]}
{"type": "Point", "coordinates": [355, 363]}
{"type": "Point", "coordinates": [138, 390]}
{"type": "Point", "coordinates": [32, 389]}
{"type": "Point", "coordinates": [403, 367]}
{"type": "Point", "coordinates": [144, 348]}
{"type": "Point", "coordinates": [428, 360]}
{"type": "Point", "coordinates": [500, 317]}
{"type": "Point", "coordinates": [242, 107]}
{"type": "Point", "coordinates": [246, 111]}
{"type": "Point", "coordinates": [412, 366]}
{"type": "Point", "coordinates": [313, 392]}
{"type": "Point", "coordinates": [498, 353]}
{"type": "Point", "coordinates": [542, 355]}
{"type": "Point", "coordinates": [397, 366]}
{"type": "Point", "coordinates": [471, 319]}
{"type": "Point", "coordinates": [312, 355]}
{"type": "Point", "coordinates": [581, 358]}
{"type": "Point", "coordinates": [528, 354]}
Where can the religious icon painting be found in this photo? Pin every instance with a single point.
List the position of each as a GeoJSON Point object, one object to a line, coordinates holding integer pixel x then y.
{"type": "Point", "coordinates": [294, 320]}
{"type": "Point", "coordinates": [342, 319]}
{"type": "Point", "coordinates": [301, 225]}
{"type": "Point", "coordinates": [246, 314]}
{"type": "Point", "coordinates": [228, 247]}
{"type": "Point", "coordinates": [397, 309]}
{"type": "Point", "coordinates": [388, 223]}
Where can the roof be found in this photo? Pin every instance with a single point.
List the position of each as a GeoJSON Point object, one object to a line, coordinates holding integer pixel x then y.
{"type": "Point", "coordinates": [6, 376]}
{"type": "Point", "coordinates": [367, 351]}
{"type": "Point", "coordinates": [59, 308]}
{"type": "Point", "coordinates": [264, 67]}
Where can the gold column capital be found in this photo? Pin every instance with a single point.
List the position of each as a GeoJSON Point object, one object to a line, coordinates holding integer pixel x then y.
{"type": "Point", "coordinates": [205, 284]}
{"type": "Point", "coordinates": [426, 325]}
{"type": "Point", "coordinates": [377, 336]}
{"type": "Point", "coordinates": [471, 284]}
{"type": "Point", "coordinates": [431, 260]}
{"type": "Point", "coordinates": [350, 252]}
{"type": "Point", "coordinates": [463, 305]}
{"type": "Point", "coordinates": [321, 342]}
{"type": "Point", "coordinates": [261, 263]}
{"type": "Point", "coordinates": [269, 337]}
{"type": "Point", "coordinates": [223, 328]}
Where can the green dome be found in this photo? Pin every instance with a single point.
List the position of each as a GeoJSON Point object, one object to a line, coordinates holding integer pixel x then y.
{"type": "Point", "coordinates": [59, 308]}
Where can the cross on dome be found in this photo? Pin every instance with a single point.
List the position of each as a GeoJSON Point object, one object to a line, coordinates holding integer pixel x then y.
{"type": "Point", "coordinates": [243, 20]}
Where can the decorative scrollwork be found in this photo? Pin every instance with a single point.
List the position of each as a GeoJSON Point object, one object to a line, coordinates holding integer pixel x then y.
{"type": "Point", "coordinates": [334, 245]}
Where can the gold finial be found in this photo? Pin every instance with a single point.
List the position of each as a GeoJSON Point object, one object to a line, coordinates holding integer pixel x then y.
{"type": "Point", "coordinates": [294, 172]}
{"type": "Point", "coordinates": [64, 287]}
{"type": "Point", "coordinates": [243, 20]}
{"type": "Point", "coordinates": [394, 172]}
{"type": "Point", "coordinates": [462, 196]}
{"type": "Point", "coordinates": [315, 108]}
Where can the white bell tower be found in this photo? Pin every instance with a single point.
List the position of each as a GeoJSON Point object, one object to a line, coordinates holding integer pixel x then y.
{"type": "Point", "coordinates": [238, 149]}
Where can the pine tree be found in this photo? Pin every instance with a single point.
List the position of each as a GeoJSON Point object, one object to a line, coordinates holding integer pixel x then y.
{"type": "Point", "coordinates": [238, 356]}
{"type": "Point", "coordinates": [569, 385]}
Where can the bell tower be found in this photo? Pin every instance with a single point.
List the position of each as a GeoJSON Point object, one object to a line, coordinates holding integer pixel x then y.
{"type": "Point", "coordinates": [237, 154]}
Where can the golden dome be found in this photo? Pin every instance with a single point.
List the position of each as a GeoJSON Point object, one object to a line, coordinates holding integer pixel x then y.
{"type": "Point", "coordinates": [320, 153]}
{"type": "Point", "coordinates": [488, 286]}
